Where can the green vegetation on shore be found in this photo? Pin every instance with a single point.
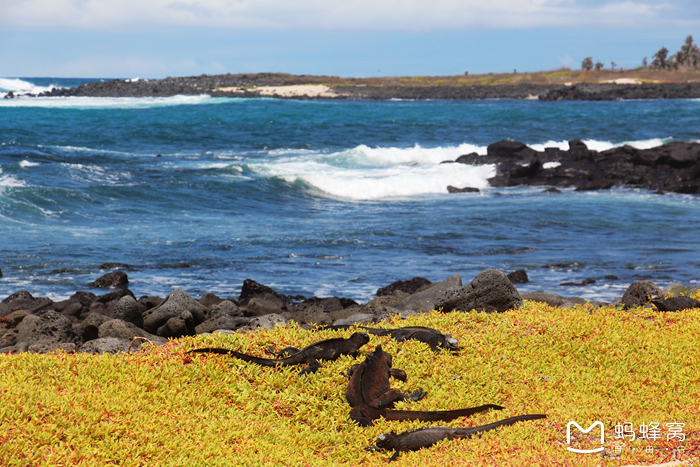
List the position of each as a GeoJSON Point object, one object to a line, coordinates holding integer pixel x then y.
{"type": "Point", "coordinates": [161, 407]}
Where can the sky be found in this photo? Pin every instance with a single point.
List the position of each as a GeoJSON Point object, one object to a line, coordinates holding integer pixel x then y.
{"type": "Point", "coordinates": [348, 38]}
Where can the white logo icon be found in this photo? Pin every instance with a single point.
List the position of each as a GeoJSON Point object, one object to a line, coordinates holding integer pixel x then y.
{"type": "Point", "coordinates": [585, 451]}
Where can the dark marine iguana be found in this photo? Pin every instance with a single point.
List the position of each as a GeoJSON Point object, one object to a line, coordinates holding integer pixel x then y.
{"type": "Point", "coordinates": [328, 349]}
{"type": "Point", "coordinates": [679, 303]}
{"type": "Point", "coordinates": [414, 440]}
{"type": "Point", "coordinates": [370, 395]}
{"type": "Point", "coordinates": [434, 338]}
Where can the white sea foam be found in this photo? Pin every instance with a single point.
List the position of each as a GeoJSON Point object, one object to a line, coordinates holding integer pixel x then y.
{"type": "Point", "coordinates": [25, 164]}
{"type": "Point", "coordinates": [110, 102]}
{"type": "Point", "coordinates": [18, 86]}
{"type": "Point", "coordinates": [375, 173]}
{"type": "Point", "coordinates": [8, 181]}
{"type": "Point", "coordinates": [597, 145]}
{"type": "Point", "coordinates": [417, 154]}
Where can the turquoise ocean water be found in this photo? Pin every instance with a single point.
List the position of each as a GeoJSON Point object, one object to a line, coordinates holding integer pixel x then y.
{"type": "Point", "coordinates": [322, 197]}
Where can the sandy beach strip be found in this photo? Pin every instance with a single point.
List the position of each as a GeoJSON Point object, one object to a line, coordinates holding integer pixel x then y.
{"type": "Point", "coordinates": [310, 90]}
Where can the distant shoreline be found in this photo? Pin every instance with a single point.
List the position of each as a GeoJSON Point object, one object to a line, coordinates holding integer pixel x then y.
{"type": "Point", "coordinates": [554, 86]}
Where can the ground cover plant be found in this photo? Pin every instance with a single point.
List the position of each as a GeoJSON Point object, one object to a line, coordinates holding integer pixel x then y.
{"type": "Point", "coordinates": [161, 406]}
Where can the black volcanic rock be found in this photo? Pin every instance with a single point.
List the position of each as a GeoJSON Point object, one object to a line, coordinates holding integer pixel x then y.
{"type": "Point", "coordinates": [111, 280]}
{"type": "Point", "coordinates": [409, 286]}
{"type": "Point", "coordinates": [518, 277]}
{"type": "Point", "coordinates": [469, 189]}
{"type": "Point", "coordinates": [673, 166]}
{"type": "Point", "coordinates": [490, 291]}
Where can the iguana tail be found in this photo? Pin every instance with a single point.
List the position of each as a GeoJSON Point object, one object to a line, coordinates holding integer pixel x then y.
{"type": "Point", "coordinates": [248, 358]}
{"type": "Point", "coordinates": [469, 432]}
{"type": "Point", "coordinates": [438, 415]}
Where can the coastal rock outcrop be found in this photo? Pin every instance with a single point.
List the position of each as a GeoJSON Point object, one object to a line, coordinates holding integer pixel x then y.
{"type": "Point", "coordinates": [427, 300]}
{"type": "Point", "coordinates": [410, 286]}
{"type": "Point", "coordinates": [638, 293]}
{"type": "Point", "coordinates": [184, 311]}
{"type": "Point", "coordinates": [110, 280]}
{"type": "Point", "coordinates": [673, 166]}
{"type": "Point", "coordinates": [490, 291]}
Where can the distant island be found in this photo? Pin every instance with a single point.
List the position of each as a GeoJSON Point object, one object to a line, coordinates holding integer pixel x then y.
{"type": "Point", "coordinates": [562, 84]}
{"type": "Point", "coordinates": [674, 77]}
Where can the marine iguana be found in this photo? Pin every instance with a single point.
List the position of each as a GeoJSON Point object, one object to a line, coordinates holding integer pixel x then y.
{"type": "Point", "coordinates": [434, 338]}
{"type": "Point", "coordinates": [414, 440]}
{"type": "Point", "coordinates": [328, 349]}
{"type": "Point", "coordinates": [370, 395]}
{"type": "Point", "coordinates": [674, 303]}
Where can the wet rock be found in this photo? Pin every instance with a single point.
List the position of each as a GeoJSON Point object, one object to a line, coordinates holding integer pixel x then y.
{"type": "Point", "coordinates": [253, 289]}
{"type": "Point", "coordinates": [110, 280]}
{"type": "Point", "coordinates": [638, 293]}
{"type": "Point", "coordinates": [588, 281]}
{"type": "Point", "coordinates": [4, 310]}
{"type": "Point", "coordinates": [176, 304]}
{"type": "Point", "coordinates": [518, 277]}
{"type": "Point", "coordinates": [409, 286]}
{"type": "Point", "coordinates": [23, 300]}
{"type": "Point", "coordinates": [51, 327]}
{"type": "Point", "coordinates": [426, 300]}
{"type": "Point", "coordinates": [467, 189]}
{"type": "Point", "coordinates": [490, 291]}
{"type": "Point", "coordinates": [553, 190]}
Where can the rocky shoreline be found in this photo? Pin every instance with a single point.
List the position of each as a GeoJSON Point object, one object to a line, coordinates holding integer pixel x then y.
{"type": "Point", "coordinates": [252, 85]}
{"type": "Point", "coordinates": [672, 167]}
{"type": "Point", "coordinates": [109, 323]}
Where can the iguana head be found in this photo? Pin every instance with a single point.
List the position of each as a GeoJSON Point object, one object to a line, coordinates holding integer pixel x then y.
{"type": "Point", "coordinates": [359, 339]}
{"type": "Point", "coordinates": [386, 441]}
{"type": "Point", "coordinates": [451, 343]}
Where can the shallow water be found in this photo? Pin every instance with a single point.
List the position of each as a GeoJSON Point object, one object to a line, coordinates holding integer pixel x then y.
{"type": "Point", "coordinates": [323, 197]}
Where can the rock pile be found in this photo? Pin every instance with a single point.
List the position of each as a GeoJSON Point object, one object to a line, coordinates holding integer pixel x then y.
{"type": "Point", "coordinates": [108, 323]}
{"type": "Point", "coordinates": [673, 166]}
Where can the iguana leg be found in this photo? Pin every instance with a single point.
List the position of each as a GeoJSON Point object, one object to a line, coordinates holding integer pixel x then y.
{"type": "Point", "coordinates": [417, 395]}
{"type": "Point", "coordinates": [280, 353]}
{"type": "Point", "coordinates": [313, 367]}
{"type": "Point", "coordinates": [398, 374]}
{"type": "Point", "coordinates": [388, 399]}
{"type": "Point", "coordinates": [359, 418]}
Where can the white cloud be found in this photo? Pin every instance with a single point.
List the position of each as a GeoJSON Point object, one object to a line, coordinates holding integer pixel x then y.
{"type": "Point", "coordinates": [409, 15]}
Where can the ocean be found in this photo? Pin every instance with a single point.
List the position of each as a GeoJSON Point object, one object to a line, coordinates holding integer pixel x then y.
{"type": "Point", "coordinates": [323, 198]}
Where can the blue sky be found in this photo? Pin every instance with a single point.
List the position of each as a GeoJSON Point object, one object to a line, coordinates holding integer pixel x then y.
{"type": "Point", "coordinates": [159, 38]}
